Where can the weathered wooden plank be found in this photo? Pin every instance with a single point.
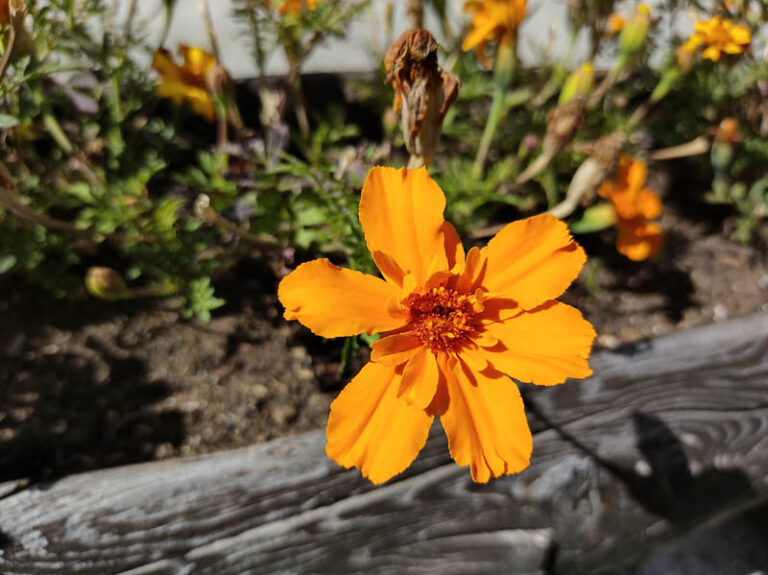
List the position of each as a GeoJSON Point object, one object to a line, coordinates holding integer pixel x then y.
{"type": "Point", "coordinates": [663, 436]}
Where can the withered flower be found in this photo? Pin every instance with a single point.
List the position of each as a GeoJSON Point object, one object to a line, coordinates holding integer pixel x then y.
{"type": "Point", "coordinates": [423, 92]}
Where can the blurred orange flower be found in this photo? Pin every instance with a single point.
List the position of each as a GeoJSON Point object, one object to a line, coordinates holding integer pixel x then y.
{"type": "Point", "coordinates": [187, 82]}
{"type": "Point", "coordinates": [639, 238]}
{"type": "Point", "coordinates": [453, 327]}
{"type": "Point", "coordinates": [492, 21]}
{"type": "Point", "coordinates": [295, 6]}
{"type": "Point", "coordinates": [718, 36]}
{"type": "Point", "coordinates": [615, 23]}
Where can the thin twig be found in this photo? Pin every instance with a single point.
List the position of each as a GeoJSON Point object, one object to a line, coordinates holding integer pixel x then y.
{"type": "Point", "coordinates": [8, 52]}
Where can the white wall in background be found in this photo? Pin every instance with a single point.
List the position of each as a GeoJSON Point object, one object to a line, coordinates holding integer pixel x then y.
{"type": "Point", "coordinates": [544, 30]}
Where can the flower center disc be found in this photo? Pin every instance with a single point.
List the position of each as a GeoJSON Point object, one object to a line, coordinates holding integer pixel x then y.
{"type": "Point", "coordinates": [443, 319]}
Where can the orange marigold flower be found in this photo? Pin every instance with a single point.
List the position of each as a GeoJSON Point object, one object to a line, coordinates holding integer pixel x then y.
{"type": "Point", "coordinates": [187, 82]}
{"type": "Point", "coordinates": [718, 36]}
{"type": "Point", "coordinates": [453, 327]}
{"type": "Point", "coordinates": [492, 21]}
{"type": "Point", "coordinates": [296, 6]}
{"type": "Point", "coordinates": [639, 238]}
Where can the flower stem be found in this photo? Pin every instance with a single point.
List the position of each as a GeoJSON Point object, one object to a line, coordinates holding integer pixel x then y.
{"type": "Point", "coordinates": [504, 69]}
{"type": "Point", "coordinates": [494, 116]}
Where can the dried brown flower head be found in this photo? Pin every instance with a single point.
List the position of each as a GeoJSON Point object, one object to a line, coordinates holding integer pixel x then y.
{"type": "Point", "coordinates": [423, 92]}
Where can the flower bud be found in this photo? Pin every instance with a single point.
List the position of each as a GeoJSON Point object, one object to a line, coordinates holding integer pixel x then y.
{"type": "Point", "coordinates": [105, 283]}
{"type": "Point", "coordinates": [633, 35]}
{"type": "Point", "coordinates": [562, 123]}
{"type": "Point", "coordinates": [579, 84]}
{"type": "Point", "coordinates": [728, 131]}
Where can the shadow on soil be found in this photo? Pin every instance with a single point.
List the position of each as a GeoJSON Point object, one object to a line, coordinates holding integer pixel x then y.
{"type": "Point", "coordinates": [64, 413]}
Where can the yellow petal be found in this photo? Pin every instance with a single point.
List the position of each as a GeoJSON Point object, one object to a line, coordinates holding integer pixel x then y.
{"type": "Point", "coordinates": [201, 102]}
{"type": "Point", "coordinates": [401, 212]}
{"type": "Point", "coordinates": [164, 65]}
{"type": "Point", "coordinates": [711, 53]}
{"type": "Point", "coordinates": [420, 377]}
{"type": "Point", "coordinates": [335, 302]}
{"type": "Point", "coordinates": [532, 261]}
{"type": "Point", "coordinates": [175, 91]}
{"type": "Point", "coordinates": [741, 35]}
{"type": "Point", "coordinates": [372, 429]}
{"type": "Point", "coordinates": [196, 60]}
{"type": "Point", "coordinates": [544, 346]}
{"type": "Point", "coordinates": [485, 423]}
{"type": "Point", "coordinates": [483, 30]}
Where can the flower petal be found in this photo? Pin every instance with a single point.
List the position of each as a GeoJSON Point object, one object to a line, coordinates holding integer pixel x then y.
{"type": "Point", "coordinates": [483, 30]}
{"type": "Point", "coordinates": [454, 250]}
{"type": "Point", "coordinates": [648, 204]}
{"type": "Point", "coordinates": [639, 240]}
{"type": "Point", "coordinates": [473, 272]}
{"type": "Point", "coordinates": [636, 172]}
{"type": "Point", "coordinates": [395, 350]}
{"type": "Point", "coordinates": [335, 302]}
{"type": "Point", "coordinates": [401, 212]}
{"type": "Point", "coordinates": [164, 65]}
{"type": "Point", "coordinates": [544, 346]}
{"type": "Point", "coordinates": [372, 429]}
{"type": "Point", "coordinates": [485, 423]}
{"type": "Point", "coordinates": [420, 376]}
{"type": "Point", "coordinates": [532, 261]}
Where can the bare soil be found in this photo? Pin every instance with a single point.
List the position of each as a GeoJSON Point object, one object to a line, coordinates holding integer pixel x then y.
{"type": "Point", "coordinates": [103, 384]}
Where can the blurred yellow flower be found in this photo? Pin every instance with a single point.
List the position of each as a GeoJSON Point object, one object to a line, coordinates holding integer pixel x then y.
{"type": "Point", "coordinates": [295, 6]}
{"type": "Point", "coordinates": [634, 204]}
{"type": "Point", "coordinates": [186, 83]}
{"type": "Point", "coordinates": [492, 21]}
{"type": "Point", "coordinates": [718, 36]}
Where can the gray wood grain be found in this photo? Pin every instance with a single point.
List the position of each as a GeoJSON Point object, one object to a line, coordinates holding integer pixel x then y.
{"type": "Point", "coordinates": [665, 436]}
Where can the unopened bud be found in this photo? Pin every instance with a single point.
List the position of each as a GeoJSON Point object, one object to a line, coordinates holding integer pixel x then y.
{"type": "Point", "coordinates": [579, 84]}
{"type": "Point", "coordinates": [595, 218]}
{"type": "Point", "coordinates": [105, 283]}
{"type": "Point", "coordinates": [633, 35]}
{"type": "Point", "coordinates": [562, 123]}
{"type": "Point", "coordinates": [728, 132]}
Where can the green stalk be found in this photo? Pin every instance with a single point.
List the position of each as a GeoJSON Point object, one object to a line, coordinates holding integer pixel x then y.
{"type": "Point", "coordinates": [504, 70]}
